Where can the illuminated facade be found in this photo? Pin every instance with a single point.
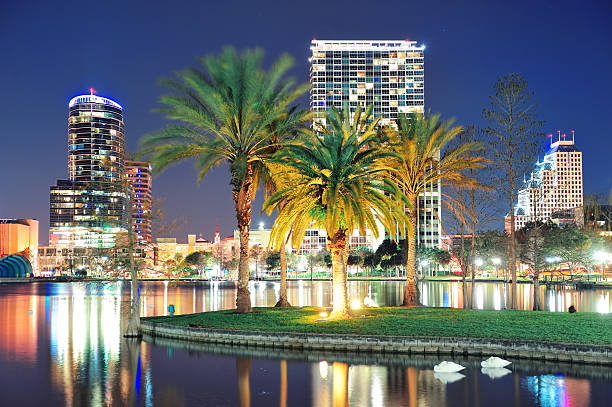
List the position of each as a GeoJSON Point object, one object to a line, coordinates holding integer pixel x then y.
{"type": "Point", "coordinates": [90, 208]}
{"type": "Point", "coordinates": [95, 139]}
{"type": "Point", "coordinates": [86, 214]}
{"type": "Point", "coordinates": [19, 236]}
{"type": "Point", "coordinates": [554, 186]}
{"type": "Point", "coordinates": [139, 175]}
{"type": "Point", "coordinates": [388, 74]}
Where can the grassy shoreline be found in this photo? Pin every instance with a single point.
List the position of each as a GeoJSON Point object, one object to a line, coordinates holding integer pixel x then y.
{"type": "Point", "coordinates": [581, 328]}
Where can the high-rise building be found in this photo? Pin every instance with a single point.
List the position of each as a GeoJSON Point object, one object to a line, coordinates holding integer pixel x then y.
{"type": "Point", "coordinates": [139, 175]}
{"type": "Point", "coordinates": [90, 208]}
{"type": "Point", "coordinates": [553, 187]}
{"type": "Point", "coordinates": [95, 139]}
{"type": "Point", "coordinates": [389, 74]}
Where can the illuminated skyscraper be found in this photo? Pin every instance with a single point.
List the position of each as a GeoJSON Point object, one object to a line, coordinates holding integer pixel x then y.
{"type": "Point", "coordinates": [140, 180]}
{"type": "Point", "coordinates": [554, 188]}
{"type": "Point", "coordinates": [390, 75]}
{"type": "Point", "coordinates": [95, 139]}
{"type": "Point", "coordinates": [90, 208]}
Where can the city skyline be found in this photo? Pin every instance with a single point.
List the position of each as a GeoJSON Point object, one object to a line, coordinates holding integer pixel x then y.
{"type": "Point", "coordinates": [458, 82]}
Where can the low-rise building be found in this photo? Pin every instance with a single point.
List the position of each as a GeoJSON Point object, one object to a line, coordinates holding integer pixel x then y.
{"type": "Point", "coordinates": [20, 236]}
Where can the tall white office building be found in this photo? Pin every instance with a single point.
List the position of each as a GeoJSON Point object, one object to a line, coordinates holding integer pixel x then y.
{"type": "Point", "coordinates": [389, 74]}
{"type": "Point", "coordinates": [554, 188]}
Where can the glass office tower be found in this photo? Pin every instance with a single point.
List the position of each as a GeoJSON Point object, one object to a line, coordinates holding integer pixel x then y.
{"type": "Point", "coordinates": [389, 74]}
{"type": "Point", "coordinates": [90, 208]}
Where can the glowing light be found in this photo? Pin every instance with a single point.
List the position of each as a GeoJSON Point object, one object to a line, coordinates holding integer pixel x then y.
{"type": "Point", "coordinates": [261, 226]}
{"type": "Point", "coordinates": [600, 256]}
{"type": "Point", "coordinates": [323, 314]}
{"type": "Point", "coordinates": [323, 368]}
{"type": "Point", "coordinates": [496, 260]}
{"type": "Point", "coordinates": [478, 262]}
{"type": "Point", "coordinates": [355, 304]}
{"type": "Point", "coordinates": [93, 99]}
{"type": "Point", "coordinates": [368, 302]}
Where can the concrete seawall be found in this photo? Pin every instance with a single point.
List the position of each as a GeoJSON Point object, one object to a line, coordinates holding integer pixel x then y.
{"type": "Point", "coordinates": [585, 354]}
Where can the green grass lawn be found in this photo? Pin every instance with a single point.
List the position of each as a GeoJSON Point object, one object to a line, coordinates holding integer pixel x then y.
{"type": "Point", "coordinates": [579, 328]}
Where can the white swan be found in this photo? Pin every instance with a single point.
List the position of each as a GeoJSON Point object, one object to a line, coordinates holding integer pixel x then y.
{"type": "Point", "coordinates": [495, 372]}
{"type": "Point", "coordinates": [447, 367]}
{"type": "Point", "coordinates": [494, 361]}
{"type": "Point", "coordinates": [449, 377]}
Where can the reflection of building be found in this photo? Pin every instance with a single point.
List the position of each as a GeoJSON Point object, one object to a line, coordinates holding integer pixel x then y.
{"type": "Point", "coordinates": [89, 208]}
{"type": "Point", "coordinates": [19, 330]}
{"type": "Point", "coordinates": [388, 74]}
{"type": "Point", "coordinates": [558, 390]}
{"type": "Point", "coordinates": [19, 236]}
{"type": "Point", "coordinates": [139, 175]}
{"type": "Point", "coordinates": [554, 186]}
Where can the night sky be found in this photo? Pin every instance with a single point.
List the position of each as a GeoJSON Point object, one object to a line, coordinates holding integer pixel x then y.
{"type": "Point", "coordinates": [52, 51]}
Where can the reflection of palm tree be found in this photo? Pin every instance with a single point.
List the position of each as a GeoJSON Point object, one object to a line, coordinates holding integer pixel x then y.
{"type": "Point", "coordinates": [243, 372]}
{"type": "Point", "coordinates": [340, 372]}
{"type": "Point", "coordinates": [412, 386]}
{"type": "Point", "coordinates": [283, 383]}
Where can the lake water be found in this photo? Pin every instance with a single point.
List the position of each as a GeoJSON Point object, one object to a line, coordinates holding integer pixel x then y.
{"type": "Point", "coordinates": [61, 345]}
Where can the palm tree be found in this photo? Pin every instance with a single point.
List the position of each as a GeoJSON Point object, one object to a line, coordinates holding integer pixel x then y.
{"type": "Point", "coordinates": [224, 110]}
{"type": "Point", "coordinates": [416, 163]}
{"type": "Point", "coordinates": [338, 183]}
{"type": "Point", "coordinates": [283, 131]}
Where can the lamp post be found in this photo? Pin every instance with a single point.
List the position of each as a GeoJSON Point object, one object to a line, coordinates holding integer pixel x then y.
{"type": "Point", "coordinates": [478, 262]}
{"type": "Point", "coordinates": [423, 264]}
{"type": "Point", "coordinates": [601, 257]}
{"type": "Point", "coordinates": [496, 261]}
{"type": "Point", "coordinates": [552, 260]}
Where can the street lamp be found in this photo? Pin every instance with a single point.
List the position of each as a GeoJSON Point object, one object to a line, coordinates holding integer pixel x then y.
{"type": "Point", "coordinates": [423, 264]}
{"type": "Point", "coordinates": [601, 257]}
{"type": "Point", "coordinates": [478, 263]}
{"type": "Point", "coordinates": [496, 261]}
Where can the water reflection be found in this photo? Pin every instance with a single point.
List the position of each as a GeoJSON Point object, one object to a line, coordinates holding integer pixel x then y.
{"type": "Point", "coordinates": [64, 341]}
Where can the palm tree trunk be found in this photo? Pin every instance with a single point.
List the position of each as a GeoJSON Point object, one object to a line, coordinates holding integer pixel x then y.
{"type": "Point", "coordinates": [243, 198]}
{"type": "Point", "coordinates": [466, 303]}
{"type": "Point", "coordinates": [337, 247]}
{"type": "Point", "coordinates": [472, 265]}
{"type": "Point", "coordinates": [411, 291]}
{"type": "Point", "coordinates": [282, 301]}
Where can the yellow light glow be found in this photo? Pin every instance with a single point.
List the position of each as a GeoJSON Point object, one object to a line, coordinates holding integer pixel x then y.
{"type": "Point", "coordinates": [323, 314]}
{"type": "Point", "coordinates": [323, 368]}
{"type": "Point", "coordinates": [355, 304]}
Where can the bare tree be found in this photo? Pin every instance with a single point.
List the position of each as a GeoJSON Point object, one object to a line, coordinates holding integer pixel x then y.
{"type": "Point", "coordinates": [161, 225]}
{"type": "Point", "coordinates": [472, 211]}
{"type": "Point", "coordinates": [511, 134]}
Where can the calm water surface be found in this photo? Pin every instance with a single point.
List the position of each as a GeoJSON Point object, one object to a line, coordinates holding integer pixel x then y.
{"type": "Point", "coordinates": [61, 345]}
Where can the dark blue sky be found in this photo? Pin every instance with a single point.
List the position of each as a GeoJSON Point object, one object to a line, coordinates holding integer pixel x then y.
{"type": "Point", "coordinates": [52, 51]}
